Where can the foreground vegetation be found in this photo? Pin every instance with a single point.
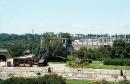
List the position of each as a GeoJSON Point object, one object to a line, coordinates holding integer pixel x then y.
{"type": "Point", "coordinates": [55, 79]}
{"type": "Point", "coordinates": [96, 82]}
{"type": "Point", "coordinates": [47, 79]}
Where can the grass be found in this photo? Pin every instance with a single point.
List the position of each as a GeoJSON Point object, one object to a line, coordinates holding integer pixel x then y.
{"type": "Point", "coordinates": [78, 82]}
{"type": "Point", "coordinates": [100, 65]}
{"type": "Point", "coordinates": [97, 65]}
{"type": "Point", "coordinates": [56, 62]}
{"type": "Point", "coordinates": [86, 82]}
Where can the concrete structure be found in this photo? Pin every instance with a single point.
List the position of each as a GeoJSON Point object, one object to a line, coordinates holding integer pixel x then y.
{"type": "Point", "coordinates": [89, 44]}
{"type": "Point", "coordinates": [93, 41]}
{"type": "Point", "coordinates": [68, 73]}
{"type": "Point", "coordinates": [64, 41]}
{"type": "Point", "coordinates": [4, 52]}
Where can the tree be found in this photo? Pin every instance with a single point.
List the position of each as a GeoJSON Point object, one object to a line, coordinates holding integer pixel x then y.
{"type": "Point", "coordinates": [69, 41]}
{"type": "Point", "coordinates": [82, 53]}
{"type": "Point", "coordinates": [51, 46]}
{"type": "Point", "coordinates": [120, 49]}
{"type": "Point", "coordinates": [32, 47]}
{"type": "Point", "coordinates": [90, 54]}
{"type": "Point", "coordinates": [16, 50]}
{"type": "Point", "coordinates": [127, 50]}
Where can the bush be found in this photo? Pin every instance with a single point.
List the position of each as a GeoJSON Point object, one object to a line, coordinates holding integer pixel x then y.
{"type": "Point", "coordinates": [47, 79]}
{"type": "Point", "coordinates": [53, 79]}
{"type": "Point", "coordinates": [56, 59]}
{"type": "Point", "coordinates": [71, 58]}
{"type": "Point", "coordinates": [116, 61]}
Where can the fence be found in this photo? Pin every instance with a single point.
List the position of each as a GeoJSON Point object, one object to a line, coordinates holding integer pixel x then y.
{"type": "Point", "coordinates": [69, 73]}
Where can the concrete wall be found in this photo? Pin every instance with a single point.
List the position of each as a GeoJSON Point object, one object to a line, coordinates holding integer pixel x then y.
{"type": "Point", "coordinates": [2, 64]}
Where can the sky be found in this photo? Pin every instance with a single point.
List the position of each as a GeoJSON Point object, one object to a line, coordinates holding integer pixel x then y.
{"type": "Point", "coordinates": [73, 16]}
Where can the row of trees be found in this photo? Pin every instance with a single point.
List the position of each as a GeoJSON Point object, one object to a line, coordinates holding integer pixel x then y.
{"type": "Point", "coordinates": [25, 40]}
{"type": "Point", "coordinates": [18, 45]}
{"type": "Point", "coordinates": [94, 54]}
{"type": "Point", "coordinates": [48, 44]}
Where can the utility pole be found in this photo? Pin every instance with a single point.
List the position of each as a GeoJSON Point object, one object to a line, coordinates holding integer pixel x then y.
{"type": "Point", "coordinates": [33, 34]}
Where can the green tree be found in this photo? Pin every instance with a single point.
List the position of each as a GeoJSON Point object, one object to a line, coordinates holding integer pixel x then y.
{"type": "Point", "coordinates": [51, 46]}
{"type": "Point", "coordinates": [119, 49]}
{"type": "Point", "coordinates": [90, 54]}
{"type": "Point", "coordinates": [32, 47]}
{"type": "Point", "coordinates": [69, 41]}
{"type": "Point", "coordinates": [16, 49]}
{"type": "Point", "coordinates": [82, 53]}
{"type": "Point", "coordinates": [127, 50]}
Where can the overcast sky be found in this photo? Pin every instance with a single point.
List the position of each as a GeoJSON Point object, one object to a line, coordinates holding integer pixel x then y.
{"type": "Point", "coordinates": [74, 16]}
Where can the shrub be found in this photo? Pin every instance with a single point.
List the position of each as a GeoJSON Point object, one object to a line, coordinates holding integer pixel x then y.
{"type": "Point", "coordinates": [53, 79]}
{"type": "Point", "coordinates": [47, 79]}
{"type": "Point", "coordinates": [116, 61]}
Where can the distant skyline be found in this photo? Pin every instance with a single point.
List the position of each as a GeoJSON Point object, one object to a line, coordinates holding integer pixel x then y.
{"type": "Point", "coordinates": [73, 16]}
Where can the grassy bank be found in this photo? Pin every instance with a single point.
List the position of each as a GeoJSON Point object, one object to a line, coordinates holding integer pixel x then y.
{"type": "Point", "coordinates": [78, 82]}
{"type": "Point", "coordinates": [88, 82]}
{"type": "Point", "coordinates": [100, 65]}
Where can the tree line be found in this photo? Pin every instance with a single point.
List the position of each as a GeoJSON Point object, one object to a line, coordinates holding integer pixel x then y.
{"type": "Point", "coordinates": [51, 45]}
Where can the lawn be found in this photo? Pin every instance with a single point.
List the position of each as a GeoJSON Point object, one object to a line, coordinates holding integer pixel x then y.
{"type": "Point", "coordinates": [78, 82]}
{"type": "Point", "coordinates": [86, 82]}
{"type": "Point", "coordinates": [100, 65]}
